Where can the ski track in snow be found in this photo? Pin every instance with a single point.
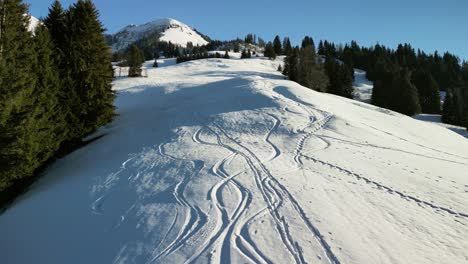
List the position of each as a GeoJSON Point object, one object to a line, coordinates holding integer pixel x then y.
{"type": "Point", "coordinates": [386, 188]}
{"type": "Point", "coordinates": [195, 218]}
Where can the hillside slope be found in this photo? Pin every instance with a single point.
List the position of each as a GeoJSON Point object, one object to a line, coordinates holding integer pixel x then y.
{"type": "Point", "coordinates": [170, 30]}
{"type": "Point", "coordinates": [225, 161]}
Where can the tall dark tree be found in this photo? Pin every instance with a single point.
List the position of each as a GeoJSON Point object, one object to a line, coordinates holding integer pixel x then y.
{"type": "Point", "coordinates": [341, 79]}
{"type": "Point", "coordinates": [17, 83]}
{"type": "Point", "coordinates": [89, 70]}
{"type": "Point", "coordinates": [449, 111]}
{"type": "Point", "coordinates": [270, 51]}
{"type": "Point", "coordinates": [428, 91]}
{"type": "Point", "coordinates": [135, 62]}
{"type": "Point", "coordinates": [56, 25]}
{"type": "Point", "coordinates": [291, 65]}
{"type": "Point", "coordinates": [321, 48]}
{"type": "Point", "coordinates": [308, 41]}
{"type": "Point", "coordinates": [311, 74]}
{"type": "Point", "coordinates": [406, 95]}
{"type": "Point", "coordinates": [287, 48]}
{"type": "Point", "coordinates": [278, 48]}
{"type": "Point", "coordinates": [46, 126]}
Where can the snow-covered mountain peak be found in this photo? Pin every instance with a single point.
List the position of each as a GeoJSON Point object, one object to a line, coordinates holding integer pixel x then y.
{"type": "Point", "coordinates": [33, 22]}
{"type": "Point", "coordinates": [170, 29]}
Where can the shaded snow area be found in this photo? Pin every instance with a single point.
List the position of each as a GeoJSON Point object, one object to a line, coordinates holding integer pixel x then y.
{"type": "Point", "coordinates": [362, 86]}
{"type": "Point", "coordinates": [436, 119]}
{"type": "Point", "coordinates": [170, 29]}
{"type": "Point", "coordinates": [224, 161]}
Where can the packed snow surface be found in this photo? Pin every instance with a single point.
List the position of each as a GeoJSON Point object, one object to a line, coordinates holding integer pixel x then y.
{"type": "Point", "coordinates": [224, 161]}
{"type": "Point", "coordinates": [170, 29]}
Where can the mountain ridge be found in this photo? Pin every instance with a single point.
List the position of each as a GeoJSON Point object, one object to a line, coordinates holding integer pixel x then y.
{"type": "Point", "coordinates": [170, 30]}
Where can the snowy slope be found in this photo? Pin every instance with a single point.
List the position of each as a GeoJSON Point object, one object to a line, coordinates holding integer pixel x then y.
{"type": "Point", "coordinates": [33, 22]}
{"type": "Point", "coordinates": [170, 29]}
{"type": "Point", "coordinates": [436, 120]}
{"type": "Point", "coordinates": [225, 161]}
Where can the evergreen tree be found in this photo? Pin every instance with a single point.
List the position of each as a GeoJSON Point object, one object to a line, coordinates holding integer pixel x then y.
{"type": "Point", "coordinates": [46, 126]}
{"type": "Point", "coordinates": [249, 39]}
{"type": "Point", "coordinates": [226, 55]}
{"type": "Point", "coordinates": [308, 41]}
{"type": "Point", "coordinates": [270, 51]}
{"type": "Point", "coordinates": [89, 70]}
{"type": "Point", "coordinates": [310, 73]}
{"type": "Point", "coordinates": [287, 46]}
{"type": "Point", "coordinates": [236, 48]}
{"type": "Point", "coordinates": [449, 111]}
{"type": "Point", "coordinates": [341, 80]}
{"type": "Point", "coordinates": [428, 91]}
{"type": "Point", "coordinates": [246, 54]}
{"type": "Point", "coordinates": [277, 46]}
{"type": "Point", "coordinates": [135, 62]}
{"type": "Point", "coordinates": [17, 84]}
{"type": "Point", "coordinates": [56, 25]}
{"type": "Point", "coordinates": [406, 99]}
{"type": "Point", "coordinates": [291, 68]}
{"type": "Point", "coordinates": [321, 49]}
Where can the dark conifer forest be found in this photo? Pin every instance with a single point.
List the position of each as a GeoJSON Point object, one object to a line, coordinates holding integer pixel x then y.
{"type": "Point", "coordinates": [55, 85]}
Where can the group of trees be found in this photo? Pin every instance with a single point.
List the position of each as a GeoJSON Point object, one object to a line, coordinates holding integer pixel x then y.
{"type": "Point", "coordinates": [409, 81]}
{"type": "Point", "coordinates": [200, 56]}
{"type": "Point", "coordinates": [55, 85]}
{"type": "Point", "coordinates": [305, 66]}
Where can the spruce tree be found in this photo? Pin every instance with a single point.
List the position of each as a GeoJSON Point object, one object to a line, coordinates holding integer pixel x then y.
{"type": "Point", "coordinates": [270, 51]}
{"type": "Point", "coordinates": [89, 69]}
{"type": "Point", "coordinates": [428, 91]}
{"type": "Point", "coordinates": [287, 48]}
{"type": "Point", "coordinates": [406, 95]}
{"type": "Point", "coordinates": [277, 46]}
{"type": "Point", "coordinates": [135, 61]}
{"type": "Point", "coordinates": [308, 41]}
{"type": "Point", "coordinates": [56, 25]}
{"type": "Point", "coordinates": [292, 65]}
{"type": "Point", "coordinates": [449, 112]}
{"type": "Point", "coordinates": [341, 80]}
{"type": "Point", "coordinates": [17, 84]}
{"type": "Point", "coordinates": [46, 126]}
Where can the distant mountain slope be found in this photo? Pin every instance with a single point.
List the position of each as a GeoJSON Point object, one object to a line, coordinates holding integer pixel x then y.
{"type": "Point", "coordinates": [170, 30]}
{"type": "Point", "coordinates": [33, 22]}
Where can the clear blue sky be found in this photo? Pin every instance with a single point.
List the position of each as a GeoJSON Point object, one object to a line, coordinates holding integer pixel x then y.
{"type": "Point", "coordinates": [426, 24]}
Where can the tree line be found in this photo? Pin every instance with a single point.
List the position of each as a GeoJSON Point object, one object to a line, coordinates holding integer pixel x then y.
{"type": "Point", "coordinates": [405, 80]}
{"type": "Point", "coordinates": [55, 85]}
{"type": "Point", "coordinates": [302, 64]}
{"type": "Point", "coordinates": [409, 81]}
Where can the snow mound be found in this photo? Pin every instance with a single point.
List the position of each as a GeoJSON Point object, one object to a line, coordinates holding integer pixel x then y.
{"type": "Point", "coordinates": [170, 29]}
{"type": "Point", "coordinates": [224, 161]}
